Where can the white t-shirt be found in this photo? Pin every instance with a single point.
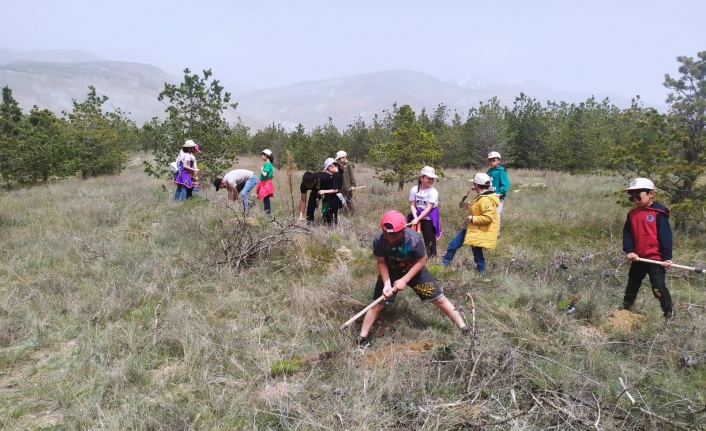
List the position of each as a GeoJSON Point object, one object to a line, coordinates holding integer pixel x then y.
{"type": "Point", "coordinates": [186, 158]}
{"type": "Point", "coordinates": [422, 197]}
{"type": "Point", "coordinates": [237, 176]}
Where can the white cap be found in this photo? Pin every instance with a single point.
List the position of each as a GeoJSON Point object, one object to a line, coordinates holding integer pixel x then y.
{"type": "Point", "coordinates": [428, 171]}
{"type": "Point", "coordinates": [482, 179]}
{"type": "Point", "coordinates": [341, 154]}
{"type": "Point", "coordinates": [266, 151]}
{"type": "Point", "coordinates": [493, 155]}
{"type": "Point", "coordinates": [189, 144]}
{"type": "Point", "coordinates": [328, 163]}
{"type": "Point", "coordinates": [640, 184]}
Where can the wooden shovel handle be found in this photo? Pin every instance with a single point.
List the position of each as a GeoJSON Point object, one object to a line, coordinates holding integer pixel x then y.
{"type": "Point", "coordinates": [363, 311]}
{"type": "Point", "coordinates": [674, 265]}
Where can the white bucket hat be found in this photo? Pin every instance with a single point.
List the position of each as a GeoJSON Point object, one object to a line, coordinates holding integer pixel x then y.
{"type": "Point", "coordinates": [341, 154]}
{"type": "Point", "coordinates": [267, 152]}
{"type": "Point", "coordinates": [494, 155]}
{"type": "Point", "coordinates": [189, 144]}
{"type": "Point", "coordinates": [328, 163]}
{"type": "Point", "coordinates": [428, 171]}
{"type": "Point", "coordinates": [640, 184]}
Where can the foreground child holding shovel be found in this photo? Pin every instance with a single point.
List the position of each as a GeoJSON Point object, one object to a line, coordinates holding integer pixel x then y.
{"type": "Point", "coordinates": [401, 260]}
{"type": "Point", "coordinates": [647, 234]}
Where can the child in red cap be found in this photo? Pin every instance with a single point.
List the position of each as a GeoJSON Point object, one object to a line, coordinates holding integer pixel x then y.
{"type": "Point", "coordinates": [401, 260]}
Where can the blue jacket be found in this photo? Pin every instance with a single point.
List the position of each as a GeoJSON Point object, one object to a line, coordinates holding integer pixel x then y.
{"type": "Point", "coordinates": [501, 182]}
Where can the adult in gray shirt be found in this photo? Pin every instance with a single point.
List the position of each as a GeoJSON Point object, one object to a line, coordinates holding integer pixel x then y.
{"type": "Point", "coordinates": [237, 182]}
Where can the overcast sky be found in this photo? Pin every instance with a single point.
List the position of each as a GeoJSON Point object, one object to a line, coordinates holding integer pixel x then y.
{"type": "Point", "coordinates": [621, 47]}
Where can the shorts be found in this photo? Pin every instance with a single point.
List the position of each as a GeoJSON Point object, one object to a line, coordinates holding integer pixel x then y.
{"type": "Point", "coordinates": [423, 285]}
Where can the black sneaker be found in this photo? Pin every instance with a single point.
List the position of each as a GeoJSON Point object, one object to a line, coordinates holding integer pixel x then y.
{"type": "Point", "coordinates": [669, 314]}
{"type": "Point", "coordinates": [626, 306]}
{"type": "Point", "coordinates": [362, 341]}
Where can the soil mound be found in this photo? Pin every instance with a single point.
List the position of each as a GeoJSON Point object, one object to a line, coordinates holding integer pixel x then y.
{"type": "Point", "coordinates": [625, 320]}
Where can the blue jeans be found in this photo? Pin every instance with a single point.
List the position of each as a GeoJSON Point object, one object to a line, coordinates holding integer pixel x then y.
{"type": "Point", "coordinates": [478, 258]}
{"type": "Point", "coordinates": [456, 243]}
{"type": "Point", "coordinates": [245, 193]}
{"type": "Point", "coordinates": [180, 193]}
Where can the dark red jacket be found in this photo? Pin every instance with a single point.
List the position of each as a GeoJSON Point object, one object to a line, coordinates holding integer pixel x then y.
{"type": "Point", "coordinates": [647, 232]}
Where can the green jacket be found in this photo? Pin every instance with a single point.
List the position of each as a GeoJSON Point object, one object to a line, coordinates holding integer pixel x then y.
{"type": "Point", "coordinates": [348, 177]}
{"type": "Point", "coordinates": [501, 182]}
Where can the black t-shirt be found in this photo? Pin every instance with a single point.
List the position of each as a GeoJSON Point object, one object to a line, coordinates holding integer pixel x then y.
{"type": "Point", "coordinates": [326, 181]}
{"type": "Point", "coordinates": [338, 181]}
{"type": "Point", "coordinates": [320, 178]}
{"type": "Point", "coordinates": [402, 256]}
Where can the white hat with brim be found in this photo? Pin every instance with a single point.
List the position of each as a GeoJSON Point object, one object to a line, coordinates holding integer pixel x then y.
{"type": "Point", "coordinates": [494, 155]}
{"type": "Point", "coordinates": [640, 184]}
{"type": "Point", "coordinates": [428, 171]}
{"type": "Point", "coordinates": [189, 144]}
{"type": "Point", "coordinates": [328, 163]}
{"type": "Point", "coordinates": [267, 152]}
{"type": "Point", "coordinates": [482, 179]}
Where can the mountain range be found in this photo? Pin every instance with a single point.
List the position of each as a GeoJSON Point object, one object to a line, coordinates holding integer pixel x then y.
{"type": "Point", "coordinates": [52, 79]}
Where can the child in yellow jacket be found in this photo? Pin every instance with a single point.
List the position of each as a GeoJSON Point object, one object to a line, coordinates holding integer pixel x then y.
{"type": "Point", "coordinates": [481, 230]}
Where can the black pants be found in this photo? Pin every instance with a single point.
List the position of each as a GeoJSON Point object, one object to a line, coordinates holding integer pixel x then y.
{"type": "Point", "coordinates": [333, 204]}
{"type": "Point", "coordinates": [429, 235]}
{"type": "Point", "coordinates": [638, 271]}
{"type": "Point", "coordinates": [428, 232]}
{"type": "Point", "coordinates": [311, 205]}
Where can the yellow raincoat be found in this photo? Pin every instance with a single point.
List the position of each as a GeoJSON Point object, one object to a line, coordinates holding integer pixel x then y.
{"type": "Point", "coordinates": [482, 231]}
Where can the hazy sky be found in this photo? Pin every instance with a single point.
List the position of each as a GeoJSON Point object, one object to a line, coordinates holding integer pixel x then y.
{"type": "Point", "coordinates": [621, 47]}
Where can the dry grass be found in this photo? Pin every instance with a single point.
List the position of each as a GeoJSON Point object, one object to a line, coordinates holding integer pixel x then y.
{"type": "Point", "coordinates": [118, 311]}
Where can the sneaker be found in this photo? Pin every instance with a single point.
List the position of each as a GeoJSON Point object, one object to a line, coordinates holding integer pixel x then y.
{"type": "Point", "coordinates": [669, 314]}
{"type": "Point", "coordinates": [465, 330]}
{"type": "Point", "coordinates": [362, 341]}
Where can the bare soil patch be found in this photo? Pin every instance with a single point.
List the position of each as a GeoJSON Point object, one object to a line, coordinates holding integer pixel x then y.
{"type": "Point", "coordinates": [626, 320]}
{"type": "Point", "coordinates": [399, 351]}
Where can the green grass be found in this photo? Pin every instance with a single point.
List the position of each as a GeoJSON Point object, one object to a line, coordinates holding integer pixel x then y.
{"type": "Point", "coordinates": [89, 266]}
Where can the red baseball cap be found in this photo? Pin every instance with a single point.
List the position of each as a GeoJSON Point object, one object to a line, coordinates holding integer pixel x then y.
{"type": "Point", "coordinates": [393, 221]}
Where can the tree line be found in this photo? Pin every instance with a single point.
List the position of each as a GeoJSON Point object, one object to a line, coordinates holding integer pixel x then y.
{"type": "Point", "coordinates": [588, 137]}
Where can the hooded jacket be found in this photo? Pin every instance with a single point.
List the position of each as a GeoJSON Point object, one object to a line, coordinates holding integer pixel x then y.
{"type": "Point", "coordinates": [482, 230]}
{"type": "Point", "coordinates": [501, 182]}
{"type": "Point", "coordinates": [647, 232]}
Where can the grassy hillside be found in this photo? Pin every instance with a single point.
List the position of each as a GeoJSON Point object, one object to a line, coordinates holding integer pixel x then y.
{"type": "Point", "coordinates": [120, 309]}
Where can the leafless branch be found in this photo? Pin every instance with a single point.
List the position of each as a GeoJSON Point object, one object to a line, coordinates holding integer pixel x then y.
{"type": "Point", "coordinates": [156, 320]}
{"type": "Point", "coordinates": [95, 253]}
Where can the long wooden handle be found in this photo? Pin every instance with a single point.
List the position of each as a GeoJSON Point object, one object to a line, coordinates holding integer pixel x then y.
{"type": "Point", "coordinates": [674, 265]}
{"type": "Point", "coordinates": [363, 311]}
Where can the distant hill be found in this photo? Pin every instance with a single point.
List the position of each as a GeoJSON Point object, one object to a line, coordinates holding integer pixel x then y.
{"type": "Point", "coordinates": [134, 88]}
{"type": "Point", "coordinates": [344, 99]}
{"type": "Point", "coordinates": [47, 56]}
{"type": "Point", "coordinates": [131, 87]}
